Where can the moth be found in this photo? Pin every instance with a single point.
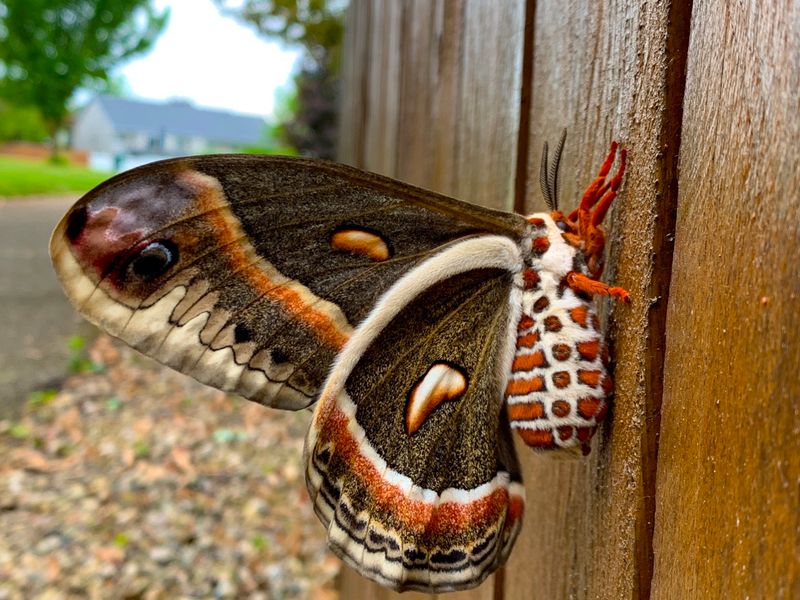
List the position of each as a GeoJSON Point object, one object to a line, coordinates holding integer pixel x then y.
{"type": "Point", "coordinates": [422, 329]}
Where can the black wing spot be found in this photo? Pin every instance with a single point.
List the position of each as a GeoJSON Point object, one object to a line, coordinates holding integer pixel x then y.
{"type": "Point", "coordinates": [154, 260]}
{"type": "Point", "coordinates": [278, 356]}
{"type": "Point", "coordinates": [76, 222]}
{"type": "Point", "coordinates": [242, 333]}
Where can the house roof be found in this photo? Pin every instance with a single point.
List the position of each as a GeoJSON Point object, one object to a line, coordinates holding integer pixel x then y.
{"type": "Point", "coordinates": [181, 118]}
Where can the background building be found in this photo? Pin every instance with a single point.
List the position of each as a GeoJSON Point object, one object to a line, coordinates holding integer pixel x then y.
{"type": "Point", "coordinates": [120, 134]}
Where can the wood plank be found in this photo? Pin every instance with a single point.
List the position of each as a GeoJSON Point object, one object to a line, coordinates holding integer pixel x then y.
{"type": "Point", "coordinates": [353, 93]}
{"type": "Point", "coordinates": [607, 70]}
{"type": "Point", "coordinates": [446, 117]}
{"type": "Point", "coordinates": [729, 462]}
{"type": "Point", "coordinates": [453, 57]}
{"type": "Point", "coordinates": [488, 112]}
{"type": "Point", "coordinates": [381, 116]}
{"type": "Point", "coordinates": [431, 83]}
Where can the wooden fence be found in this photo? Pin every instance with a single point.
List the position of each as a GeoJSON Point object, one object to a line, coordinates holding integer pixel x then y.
{"type": "Point", "coordinates": [693, 488]}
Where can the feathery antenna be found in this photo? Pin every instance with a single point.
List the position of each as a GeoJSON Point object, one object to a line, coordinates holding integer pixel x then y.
{"type": "Point", "coordinates": [548, 174]}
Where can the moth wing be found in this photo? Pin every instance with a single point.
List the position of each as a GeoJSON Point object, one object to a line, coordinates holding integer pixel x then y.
{"type": "Point", "coordinates": [409, 458]}
{"type": "Point", "coordinates": [250, 273]}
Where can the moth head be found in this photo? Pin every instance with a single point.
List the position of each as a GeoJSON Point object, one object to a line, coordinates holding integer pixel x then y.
{"type": "Point", "coordinates": [563, 223]}
{"type": "Point", "coordinates": [136, 231]}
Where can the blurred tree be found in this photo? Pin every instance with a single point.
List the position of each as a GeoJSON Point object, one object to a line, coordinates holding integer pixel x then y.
{"type": "Point", "coordinates": [21, 123]}
{"type": "Point", "coordinates": [50, 48]}
{"type": "Point", "coordinates": [317, 26]}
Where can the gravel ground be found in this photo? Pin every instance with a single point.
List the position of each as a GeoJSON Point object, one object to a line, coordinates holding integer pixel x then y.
{"type": "Point", "coordinates": [136, 482]}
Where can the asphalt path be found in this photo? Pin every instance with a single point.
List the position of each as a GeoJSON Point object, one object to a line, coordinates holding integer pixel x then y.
{"type": "Point", "coordinates": [37, 320]}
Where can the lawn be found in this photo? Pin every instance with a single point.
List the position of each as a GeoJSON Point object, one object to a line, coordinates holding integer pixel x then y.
{"type": "Point", "coordinates": [20, 177]}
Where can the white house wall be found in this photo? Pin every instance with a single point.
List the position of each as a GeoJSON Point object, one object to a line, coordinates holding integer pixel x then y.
{"type": "Point", "coordinates": [93, 131]}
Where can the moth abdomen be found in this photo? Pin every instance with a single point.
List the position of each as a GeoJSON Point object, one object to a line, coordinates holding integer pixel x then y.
{"type": "Point", "coordinates": [558, 386]}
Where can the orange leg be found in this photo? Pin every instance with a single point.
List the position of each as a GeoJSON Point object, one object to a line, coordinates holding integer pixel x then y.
{"type": "Point", "coordinates": [582, 283]}
{"type": "Point", "coordinates": [598, 196]}
{"type": "Point", "coordinates": [609, 192]}
{"type": "Point", "coordinates": [595, 189]}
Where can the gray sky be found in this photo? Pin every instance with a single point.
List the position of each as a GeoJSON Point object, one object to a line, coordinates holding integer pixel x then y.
{"type": "Point", "coordinates": [211, 60]}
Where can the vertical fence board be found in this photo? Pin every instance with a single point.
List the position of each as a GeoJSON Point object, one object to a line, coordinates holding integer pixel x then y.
{"type": "Point", "coordinates": [430, 83]}
{"type": "Point", "coordinates": [728, 499]}
{"type": "Point", "coordinates": [489, 104]}
{"type": "Point", "coordinates": [352, 92]}
{"type": "Point", "coordinates": [440, 110]}
{"type": "Point", "coordinates": [383, 87]}
{"type": "Point", "coordinates": [611, 70]}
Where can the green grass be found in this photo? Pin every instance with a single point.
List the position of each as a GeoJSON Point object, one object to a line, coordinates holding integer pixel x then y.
{"type": "Point", "coordinates": [19, 177]}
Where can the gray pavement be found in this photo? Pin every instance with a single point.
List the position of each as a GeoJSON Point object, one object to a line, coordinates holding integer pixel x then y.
{"type": "Point", "coordinates": [35, 318]}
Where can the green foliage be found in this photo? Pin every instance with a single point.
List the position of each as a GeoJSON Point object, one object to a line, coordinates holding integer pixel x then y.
{"type": "Point", "coordinates": [277, 149]}
{"type": "Point", "coordinates": [116, 85]}
{"type": "Point", "coordinates": [59, 160]}
{"type": "Point", "coordinates": [77, 361]}
{"type": "Point", "coordinates": [19, 431]}
{"type": "Point", "coordinates": [228, 436]}
{"type": "Point", "coordinates": [19, 177]}
{"type": "Point", "coordinates": [272, 142]}
{"type": "Point", "coordinates": [50, 48]}
{"type": "Point", "coordinates": [21, 123]}
{"type": "Point", "coordinates": [141, 449]}
{"type": "Point", "coordinates": [317, 26]}
{"type": "Point", "coordinates": [41, 398]}
{"type": "Point", "coordinates": [285, 102]}
{"type": "Point", "coordinates": [314, 129]}
{"type": "Point", "coordinates": [259, 542]}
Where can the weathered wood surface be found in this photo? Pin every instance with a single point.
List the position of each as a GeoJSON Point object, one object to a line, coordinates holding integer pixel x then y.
{"type": "Point", "coordinates": [435, 95]}
{"type": "Point", "coordinates": [728, 484]}
{"type": "Point", "coordinates": [441, 111]}
{"type": "Point", "coordinates": [431, 94]}
{"type": "Point", "coordinates": [610, 70]}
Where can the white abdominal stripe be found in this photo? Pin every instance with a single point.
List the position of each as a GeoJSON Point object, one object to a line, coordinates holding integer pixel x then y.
{"type": "Point", "coordinates": [176, 340]}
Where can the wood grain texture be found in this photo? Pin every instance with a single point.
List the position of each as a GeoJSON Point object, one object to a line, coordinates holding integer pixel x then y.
{"type": "Point", "coordinates": [432, 96]}
{"type": "Point", "coordinates": [453, 70]}
{"type": "Point", "coordinates": [728, 483]}
{"type": "Point", "coordinates": [611, 70]}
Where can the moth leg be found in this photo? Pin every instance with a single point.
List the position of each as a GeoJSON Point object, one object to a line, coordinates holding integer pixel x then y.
{"type": "Point", "coordinates": [609, 192]}
{"type": "Point", "coordinates": [598, 196]}
{"type": "Point", "coordinates": [581, 283]}
{"type": "Point", "coordinates": [594, 191]}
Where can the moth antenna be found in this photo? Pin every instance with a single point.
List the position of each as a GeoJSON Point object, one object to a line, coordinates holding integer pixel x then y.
{"type": "Point", "coordinates": [552, 175]}
{"type": "Point", "coordinates": [543, 184]}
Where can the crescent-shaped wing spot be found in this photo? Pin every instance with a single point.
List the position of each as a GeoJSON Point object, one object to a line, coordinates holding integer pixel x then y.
{"type": "Point", "coordinates": [362, 242]}
{"type": "Point", "coordinates": [442, 382]}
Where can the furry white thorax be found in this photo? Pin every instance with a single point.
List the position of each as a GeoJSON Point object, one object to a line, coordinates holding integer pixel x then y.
{"type": "Point", "coordinates": [560, 257]}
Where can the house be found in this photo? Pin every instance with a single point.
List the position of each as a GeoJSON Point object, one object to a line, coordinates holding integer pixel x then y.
{"type": "Point", "coordinates": [120, 133]}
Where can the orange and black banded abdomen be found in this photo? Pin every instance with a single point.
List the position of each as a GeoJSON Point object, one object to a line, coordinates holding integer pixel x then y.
{"type": "Point", "coordinates": [558, 388]}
